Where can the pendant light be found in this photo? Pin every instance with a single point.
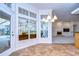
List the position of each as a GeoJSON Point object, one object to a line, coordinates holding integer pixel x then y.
{"type": "Point", "coordinates": [55, 17]}
{"type": "Point", "coordinates": [45, 20]}
{"type": "Point", "coordinates": [48, 17]}
{"type": "Point", "coordinates": [52, 20]}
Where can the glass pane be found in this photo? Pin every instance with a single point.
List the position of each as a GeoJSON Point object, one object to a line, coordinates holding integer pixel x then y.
{"type": "Point", "coordinates": [44, 25]}
{"type": "Point", "coordinates": [43, 16]}
{"type": "Point", "coordinates": [4, 32]}
{"type": "Point", "coordinates": [32, 28]}
{"type": "Point", "coordinates": [44, 33]}
{"type": "Point", "coordinates": [33, 15]}
{"type": "Point", "coordinates": [44, 29]}
{"type": "Point", "coordinates": [8, 4]}
{"type": "Point", "coordinates": [23, 11]}
{"type": "Point", "coordinates": [23, 28]}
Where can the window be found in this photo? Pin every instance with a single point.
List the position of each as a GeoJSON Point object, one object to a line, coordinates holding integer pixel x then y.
{"type": "Point", "coordinates": [44, 29]}
{"type": "Point", "coordinates": [4, 31]}
{"type": "Point", "coordinates": [32, 27]}
{"type": "Point", "coordinates": [33, 15]}
{"type": "Point", "coordinates": [27, 13]}
{"type": "Point", "coordinates": [8, 4]}
{"type": "Point", "coordinates": [27, 28]}
{"type": "Point", "coordinates": [23, 11]}
{"type": "Point", "coordinates": [23, 28]}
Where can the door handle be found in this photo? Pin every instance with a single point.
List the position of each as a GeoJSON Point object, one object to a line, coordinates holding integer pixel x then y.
{"type": "Point", "coordinates": [12, 34]}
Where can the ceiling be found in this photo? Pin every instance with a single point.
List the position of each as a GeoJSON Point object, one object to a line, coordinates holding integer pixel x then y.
{"type": "Point", "coordinates": [62, 10]}
{"type": "Point", "coordinates": [51, 5]}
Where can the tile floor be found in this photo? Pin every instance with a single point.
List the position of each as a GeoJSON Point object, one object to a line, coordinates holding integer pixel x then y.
{"type": "Point", "coordinates": [48, 50]}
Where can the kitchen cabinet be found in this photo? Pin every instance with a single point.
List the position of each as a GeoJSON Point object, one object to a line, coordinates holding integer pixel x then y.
{"type": "Point", "coordinates": [77, 39]}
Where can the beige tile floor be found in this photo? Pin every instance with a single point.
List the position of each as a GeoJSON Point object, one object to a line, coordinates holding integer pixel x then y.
{"type": "Point", "coordinates": [48, 50]}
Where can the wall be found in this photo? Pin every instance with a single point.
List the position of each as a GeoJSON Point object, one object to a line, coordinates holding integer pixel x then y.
{"type": "Point", "coordinates": [59, 26]}
{"type": "Point", "coordinates": [66, 37]}
{"type": "Point", "coordinates": [77, 26]}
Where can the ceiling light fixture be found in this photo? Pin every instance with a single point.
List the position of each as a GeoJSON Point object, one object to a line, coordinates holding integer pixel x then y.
{"type": "Point", "coordinates": [48, 17]}
{"type": "Point", "coordinates": [52, 20]}
{"type": "Point", "coordinates": [43, 19]}
{"type": "Point", "coordinates": [55, 17]}
{"type": "Point", "coordinates": [46, 20]}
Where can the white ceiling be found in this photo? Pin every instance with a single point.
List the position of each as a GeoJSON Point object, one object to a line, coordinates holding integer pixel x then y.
{"type": "Point", "coordinates": [50, 5]}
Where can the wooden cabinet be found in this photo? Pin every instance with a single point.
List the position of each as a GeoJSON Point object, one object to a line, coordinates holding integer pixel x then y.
{"type": "Point", "coordinates": [77, 39]}
{"type": "Point", "coordinates": [32, 36]}
{"type": "Point", "coordinates": [23, 37]}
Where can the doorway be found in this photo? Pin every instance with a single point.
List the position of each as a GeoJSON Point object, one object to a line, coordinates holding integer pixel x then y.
{"type": "Point", "coordinates": [5, 31]}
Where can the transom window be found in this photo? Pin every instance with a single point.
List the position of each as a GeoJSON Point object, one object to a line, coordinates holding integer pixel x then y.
{"type": "Point", "coordinates": [8, 4]}
{"type": "Point", "coordinates": [23, 11]}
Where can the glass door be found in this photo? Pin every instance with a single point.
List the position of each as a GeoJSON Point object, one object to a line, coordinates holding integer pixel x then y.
{"type": "Point", "coordinates": [5, 29]}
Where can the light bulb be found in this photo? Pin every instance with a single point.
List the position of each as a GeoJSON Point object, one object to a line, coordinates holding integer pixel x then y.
{"type": "Point", "coordinates": [52, 20]}
{"type": "Point", "coordinates": [46, 20]}
{"type": "Point", "coordinates": [43, 19]}
{"type": "Point", "coordinates": [55, 17]}
{"type": "Point", "coordinates": [48, 17]}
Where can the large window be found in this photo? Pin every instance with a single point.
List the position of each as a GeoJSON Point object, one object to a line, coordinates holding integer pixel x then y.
{"type": "Point", "coordinates": [44, 27]}
{"type": "Point", "coordinates": [27, 28]}
{"type": "Point", "coordinates": [4, 31]}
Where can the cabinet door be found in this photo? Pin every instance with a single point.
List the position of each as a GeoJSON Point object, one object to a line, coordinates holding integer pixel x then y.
{"type": "Point", "coordinates": [77, 40]}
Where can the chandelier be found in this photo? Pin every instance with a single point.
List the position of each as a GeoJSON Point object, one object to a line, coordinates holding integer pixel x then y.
{"type": "Point", "coordinates": [50, 18]}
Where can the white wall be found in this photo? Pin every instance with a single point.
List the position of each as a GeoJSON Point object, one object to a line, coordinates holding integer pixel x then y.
{"type": "Point", "coordinates": [77, 26]}
{"type": "Point", "coordinates": [67, 37]}
{"type": "Point", "coordinates": [58, 26]}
